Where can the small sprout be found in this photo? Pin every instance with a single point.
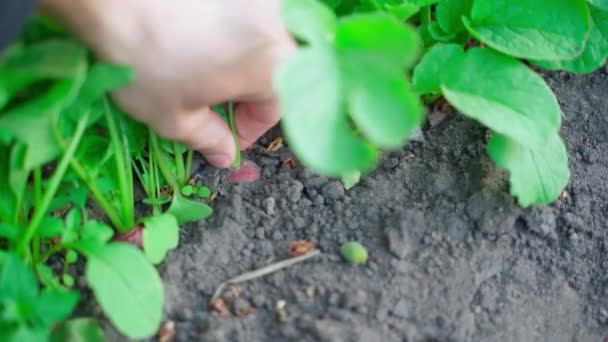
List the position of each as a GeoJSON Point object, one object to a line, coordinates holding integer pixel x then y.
{"type": "Point", "coordinates": [351, 179]}
{"type": "Point", "coordinates": [71, 257]}
{"type": "Point", "coordinates": [354, 252]}
{"type": "Point", "coordinates": [68, 280]}
{"type": "Point", "coordinates": [187, 190]}
{"type": "Point", "coordinates": [203, 192]}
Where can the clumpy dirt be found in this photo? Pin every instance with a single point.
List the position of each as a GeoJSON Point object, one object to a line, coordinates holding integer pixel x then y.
{"type": "Point", "coordinates": [452, 258]}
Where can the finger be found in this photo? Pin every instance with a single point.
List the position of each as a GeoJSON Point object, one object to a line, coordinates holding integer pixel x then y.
{"type": "Point", "coordinates": [203, 130]}
{"type": "Point", "coordinates": [255, 118]}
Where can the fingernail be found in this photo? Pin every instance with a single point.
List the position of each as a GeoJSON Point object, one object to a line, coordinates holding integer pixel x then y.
{"type": "Point", "coordinates": [219, 160]}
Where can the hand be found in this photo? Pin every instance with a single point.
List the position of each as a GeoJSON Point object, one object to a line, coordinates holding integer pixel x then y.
{"type": "Point", "coordinates": [188, 55]}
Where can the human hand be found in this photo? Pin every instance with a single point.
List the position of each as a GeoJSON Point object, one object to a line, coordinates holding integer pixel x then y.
{"type": "Point", "coordinates": [188, 55]}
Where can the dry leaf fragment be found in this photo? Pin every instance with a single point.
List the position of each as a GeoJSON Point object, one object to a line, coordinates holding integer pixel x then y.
{"type": "Point", "coordinates": [300, 247]}
{"type": "Point", "coordinates": [219, 306]}
{"type": "Point", "coordinates": [167, 332]}
{"type": "Point", "coordinates": [275, 145]}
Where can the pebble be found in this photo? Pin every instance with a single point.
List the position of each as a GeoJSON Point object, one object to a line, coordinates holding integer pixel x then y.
{"type": "Point", "coordinates": [270, 205]}
{"type": "Point", "coordinates": [277, 235]}
{"type": "Point", "coordinates": [401, 309]}
{"type": "Point", "coordinates": [333, 190]}
{"type": "Point", "coordinates": [294, 192]}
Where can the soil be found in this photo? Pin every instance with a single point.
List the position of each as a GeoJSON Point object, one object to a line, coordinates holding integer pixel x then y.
{"type": "Point", "coordinates": [452, 258]}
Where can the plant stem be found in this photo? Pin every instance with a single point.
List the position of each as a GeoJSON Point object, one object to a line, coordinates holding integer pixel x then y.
{"type": "Point", "coordinates": [189, 157]}
{"type": "Point", "coordinates": [81, 172]}
{"type": "Point", "coordinates": [163, 165]}
{"type": "Point", "coordinates": [231, 122]}
{"type": "Point", "coordinates": [54, 183]}
{"type": "Point", "coordinates": [37, 186]}
{"type": "Point", "coordinates": [123, 172]}
{"type": "Point", "coordinates": [180, 169]}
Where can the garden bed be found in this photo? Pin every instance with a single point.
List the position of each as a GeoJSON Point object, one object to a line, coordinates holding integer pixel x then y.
{"type": "Point", "coordinates": [452, 258]}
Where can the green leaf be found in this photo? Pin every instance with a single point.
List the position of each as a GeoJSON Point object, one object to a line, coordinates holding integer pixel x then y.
{"type": "Point", "coordinates": [541, 29]}
{"type": "Point", "coordinates": [96, 231]}
{"type": "Point", "coordinates": [78, 330]}
{"type": "Point", "coordinates": [160, 235]}
{"type": "Point", "coordinates": [9, 232]}
{"type": "Point", "coordinates": [351, 179]}
{"type": "Point", "coordinates": [55, 305]}
{"type": "Point", "coordinates": [16, 280]}
{"type": "Point", "coordinates": [449, 14]}
{"type": "Point", "coordinates": [50, 227]}
{"type": "Point", "coordinates": [186, 211]}
{"type": "Point", "coordinates": [538, 175]}
{"type": "Point", "coordinates": [603, 4]}
{"type": "Point", "coordinates": [310, 90]}
{"type": "Point", "coordinates": [430, 70]}
{"type": "Point", "coordinates": [52, 59]}
{"type": "Point", "coordinates": [505, 95]}
{"type": "Point", "coordinates": [203, 192]}
{"type": "Point", "coordinates": [187, 190]}
{"type": "Point", "coordinates": [32, 122]}
{"type": "Point", "coordinates": [376, 40]}
{"type": "Point", "coordinates": [596, 50]}
{"type": "Point", "coordinates": [384, 108]}
{"type": "Point", "coordinates": [309, 20]}
{"type": "Point", "coordinates": [127, 288]}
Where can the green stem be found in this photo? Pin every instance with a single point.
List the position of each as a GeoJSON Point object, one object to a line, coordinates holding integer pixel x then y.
{"type": "Point", "coordinates": [232, 123]}
{"type": "Point", "coordinates": [425, 15]}
{"type": "Point", "coordinates": [189, 157]}
{"type": "Point", "coordinates": [163, 165]}
{"type": "Point", "coordinates": [54, 183]}
{"type": "Point", "coordinates": [37, 186]}
{"type": "Point", "coordinates": [55, 249]}
{"type": "Point", "coordinates": [180, 168]}
{"type": "Point", "coordinates": [125, 177]}
{"type": "Point", "coordinates": [98, 196]}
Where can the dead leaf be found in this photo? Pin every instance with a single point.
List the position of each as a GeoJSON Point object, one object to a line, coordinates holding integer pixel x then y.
{"type": "Point", "coordinates": [290, 162]}
{"type": "Point", "coordinates": [245, 311]}
{"type": "Point", "coordinates": [220, 307]}
{"type": "Point", "coordinates": [300, 247]}
{"type": "Point", "coordinates": [275, 145]}
{"type": "Point", "coordinates": [167, 332]}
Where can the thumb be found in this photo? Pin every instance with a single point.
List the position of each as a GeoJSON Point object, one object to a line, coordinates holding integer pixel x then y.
{"type": "Point", "coordinates": [204, 130]}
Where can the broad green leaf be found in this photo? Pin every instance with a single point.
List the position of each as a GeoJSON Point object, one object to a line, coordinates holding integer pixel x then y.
{"type": "Point", "coordinates": [127, 288]}
{"type": "Point", "coordinates": [32, 123]}
{"type": "Point", "coordinates": [596, 50]}
{"type": "Point", "coordinates": [27, 333]}
{"type": "Point", "coordinates": [384, 108]}
{"type": "Point", "coordinates": [310, 90]}
{"type": "Point", "coordinates": [78, 330]}
{"type": "Point", "coordinates": [537, 176]}
{"type": "Point", "coordinates": [16, 280]}
{"type": "Point", "coordinates": [50, 227]}
{"type": "Point", "coordinates": [52, 59]}
{"type": "Point", "coordinates": [449, 14]}
{"type": "Point", "coordinates": [376, 40]}
{"type": "Point", "coordinates": [540, 29]}
{"type": "Point", "coordinates": [505, 95]}
{"type": "Point", "coordinates": [9, 232]}
{"type": "Point", "coordinates": [186, 211]}
{"type": "Point", "coordinates": [96, 231]}
{"type": "Point", "coordinates": [309, 20]}
{"type": "Point", "coordinates": [53, 306]}
{"type": "Point", "coordinates": [439, 60]}
{"type": "Point", "coordinates": [161, 234]}
{"type": "Point", "coordinates": [603, 4]}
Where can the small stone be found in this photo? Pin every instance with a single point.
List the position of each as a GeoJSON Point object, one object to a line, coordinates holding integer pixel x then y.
{"type": "Point", "coordinates": [260, 233]}
{"type": "Point", "coordinates": [333, 190]}
{"type": "Point", "coordinates": [310, 292]}
{"type": "Point", "coordinates": [280, 305]}
{"type": "Point", "coordinates": [390, 163]}
{"type": "Point", "coordinates": [477, 309]}
{"type": "Point", "coordinates": [299, 222]}
{"type": "Point", "coordinates": [294, 192]}
{"type": "Point", "coordinates": [401, 309]}
{"type": "Point", "coordinates": [277, 236]}
{"type": "Point", "coordinates": [270, 205]}
{"type": "Point", "coordinates": [573, 236]}
{"type": "Point", "coordinates": [258, 300]}
{"type": "Point", "coordinates": [265, 249]}
{"type": "Point", "coordinates": [319, 200]}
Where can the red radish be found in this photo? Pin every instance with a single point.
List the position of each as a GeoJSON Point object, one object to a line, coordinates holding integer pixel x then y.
{"type": "Point", "coordinates": [248, 172]}
{"type": "Point", "coordinates": [133, 237]}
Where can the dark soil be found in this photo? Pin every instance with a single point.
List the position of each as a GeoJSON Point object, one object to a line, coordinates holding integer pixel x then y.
{"type": "Point", "coordinates": [452, 258]}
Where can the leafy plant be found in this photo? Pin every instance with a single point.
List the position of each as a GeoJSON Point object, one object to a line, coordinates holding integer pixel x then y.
{"type": "Point", "coordinates": [346, 92]}
{"type": "Point", "coordinates": [66, 143]}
